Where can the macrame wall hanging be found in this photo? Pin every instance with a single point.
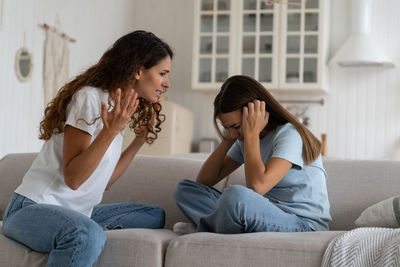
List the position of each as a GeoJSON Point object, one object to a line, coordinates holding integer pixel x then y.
{"type": "Point", "coordinates": [56, 60]}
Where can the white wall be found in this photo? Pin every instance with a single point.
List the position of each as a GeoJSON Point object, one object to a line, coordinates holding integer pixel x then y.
{"type": "Point", "coordinates": [361, 116]}
{"type": "Point", "coordinates": [363, 110]}
{"type": "Point", "coordinates": [95, 24]}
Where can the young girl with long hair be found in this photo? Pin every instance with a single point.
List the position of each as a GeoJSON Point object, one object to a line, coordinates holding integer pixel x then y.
{"type": "Point", "coordinates": [56, 208]}
{"type": "Point", "coordinates": [285, 180]}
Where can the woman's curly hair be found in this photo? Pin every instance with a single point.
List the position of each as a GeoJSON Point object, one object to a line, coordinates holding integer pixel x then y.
{"type": "Point", "coordinates": [143, 115]}
{"type": "Point", "coordinates": [115, 69]}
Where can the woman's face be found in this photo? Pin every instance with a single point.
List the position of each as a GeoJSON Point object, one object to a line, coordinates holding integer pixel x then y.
{"type": "Point", "coordinates": [232, 123]}
{"type": "Point", "coordinates": [151, 83]}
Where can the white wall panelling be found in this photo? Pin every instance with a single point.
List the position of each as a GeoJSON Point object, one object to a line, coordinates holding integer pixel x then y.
{"type": "Point", "coordinates": [361, 115]}
{"type": "Point", "coordinates": [95, 24]}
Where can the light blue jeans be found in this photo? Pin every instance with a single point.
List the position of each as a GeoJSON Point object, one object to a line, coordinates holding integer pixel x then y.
{"type": "Point", "coordinates": [237, 210]}
{"type": "Point", "coordinates": [71, 238]}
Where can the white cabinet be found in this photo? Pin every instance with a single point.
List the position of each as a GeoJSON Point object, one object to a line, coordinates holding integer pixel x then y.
{"type": "Point", "coordinates": [283, 45]}
{"type": "Point", "coordinates": [213, 45]}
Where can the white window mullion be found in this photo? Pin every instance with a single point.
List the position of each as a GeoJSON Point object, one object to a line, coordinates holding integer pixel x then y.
{"type": "Point", "coordinates": [257, 39]}
{"type": "Point", "coordinates": [239, 36]}
{"type": "Point", "coordinates": [277, 46]}
{"type": "Point", "coordinates": [281, 35]}
{"type": "Point", "coordinates": [196, 40]}
{"type": "Point", "coordinates": [214, 42]}
{"type": "Point", "coordinates": [302, 39]}
{"type": "Point", "coordinates": [235, 37]}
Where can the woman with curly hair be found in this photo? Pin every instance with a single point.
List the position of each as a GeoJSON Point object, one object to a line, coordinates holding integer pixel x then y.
{"type": "Point", "coordinates": [56, 208]}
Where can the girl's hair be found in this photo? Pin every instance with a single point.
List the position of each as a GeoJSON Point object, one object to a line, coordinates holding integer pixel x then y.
{"type": "Point", "coordinates": [239, 90]}
{"type": "Point", "coordinates": [115, 69]}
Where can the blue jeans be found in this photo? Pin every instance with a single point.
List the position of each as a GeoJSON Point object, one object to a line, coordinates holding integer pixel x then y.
{"type": "Point", "coordinates": [237, 210]}
{"type": "Point", "coordinates": [71, 238]}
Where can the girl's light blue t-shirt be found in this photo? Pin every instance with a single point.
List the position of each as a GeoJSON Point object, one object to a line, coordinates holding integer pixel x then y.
{"type": "Point", "coordinates": [302, 191]}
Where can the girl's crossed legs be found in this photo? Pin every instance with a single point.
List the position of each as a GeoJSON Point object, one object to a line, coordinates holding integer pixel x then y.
{"type": "Point", "coordinates": [237, 210]}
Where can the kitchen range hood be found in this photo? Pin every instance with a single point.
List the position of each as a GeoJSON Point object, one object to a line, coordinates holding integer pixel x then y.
{"type": "Point", "coordinates": [360, 49]}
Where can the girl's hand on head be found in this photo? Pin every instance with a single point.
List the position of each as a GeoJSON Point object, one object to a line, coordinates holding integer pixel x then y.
{"type": "Point", "coordinates": [254, 118]}
{"type": "Point", "coordinates": [116, 120]}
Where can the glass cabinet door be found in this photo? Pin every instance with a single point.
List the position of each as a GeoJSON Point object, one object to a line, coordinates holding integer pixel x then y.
{"type": "Point", "coordinates": [258, 40]}
{"type": "Point", "coordinates": [213, 41]}
{"type": "Point", "coordinates": [279, 43]}
{"type": "Point", "coordinates": [301, 39]}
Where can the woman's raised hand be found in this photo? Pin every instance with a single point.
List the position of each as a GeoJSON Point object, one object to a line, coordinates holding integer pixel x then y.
{"type": "Point", "coordinates": [254, 118]}
{"type": "Point", "coordinates": [116, 120]}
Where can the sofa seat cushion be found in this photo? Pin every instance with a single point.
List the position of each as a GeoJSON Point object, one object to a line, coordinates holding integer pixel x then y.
{"type": "Point", "coordinates": [135, 247]}
{"type": "Point", "coordinates": [129, 247]}
{"type": "Point", "coordinates": [253, 249]}
{"type": "Point", "coordinates": [15, 254]}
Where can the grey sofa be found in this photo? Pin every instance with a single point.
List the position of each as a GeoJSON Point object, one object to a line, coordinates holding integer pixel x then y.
{"type": "Point", "coordinates": [352, 187]}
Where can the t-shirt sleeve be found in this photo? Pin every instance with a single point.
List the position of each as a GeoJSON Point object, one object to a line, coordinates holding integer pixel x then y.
{"type": "Point", "coordinates": [288, 145]}
{"type": "Point", "coordinates": [236, 152]}
{"type": "Point", "coordinates": [83, 111]}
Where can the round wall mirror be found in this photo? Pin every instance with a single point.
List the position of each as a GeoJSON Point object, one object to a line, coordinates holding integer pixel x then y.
{"type": "Point", "coordinates": [23, 64]}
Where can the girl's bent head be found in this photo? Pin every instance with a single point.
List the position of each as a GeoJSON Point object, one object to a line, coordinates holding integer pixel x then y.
{"type": "Point", "coordinates": [237, 91]}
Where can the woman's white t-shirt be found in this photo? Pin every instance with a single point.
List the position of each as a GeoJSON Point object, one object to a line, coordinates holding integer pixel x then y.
{"type": "Point", "coordinates": [44, 181]}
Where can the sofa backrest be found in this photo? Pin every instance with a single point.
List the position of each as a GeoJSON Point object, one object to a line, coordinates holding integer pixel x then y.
{"type": "Point", "coordinates": [153, 179]}
{"type": "Point", "coordinates": [353, 185]}
{"type": "Point", "coordinates": [149, 179]}
{"type": "Point", "coordinates": [12, 169]}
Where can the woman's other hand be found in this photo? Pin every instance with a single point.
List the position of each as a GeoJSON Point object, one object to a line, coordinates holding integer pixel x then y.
{"type": "Point", "coordinates": [116, 120]}
{"type": "Point", "coordinates": [254, 118]}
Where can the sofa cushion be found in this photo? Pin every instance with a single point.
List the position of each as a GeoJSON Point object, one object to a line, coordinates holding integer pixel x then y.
{"type": "Point", "coordinates": [382, 214]}
{"type": "Point", "coordinates": [13, 253]}
{"type": "Point", "coordinates": [129, 247]}
{"type": "Point", "coordinates": [253, 249]}
{"type": "Point", "coordinates": [12, 169]}
{"type": "Point", "coordinates": [135, 247]}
